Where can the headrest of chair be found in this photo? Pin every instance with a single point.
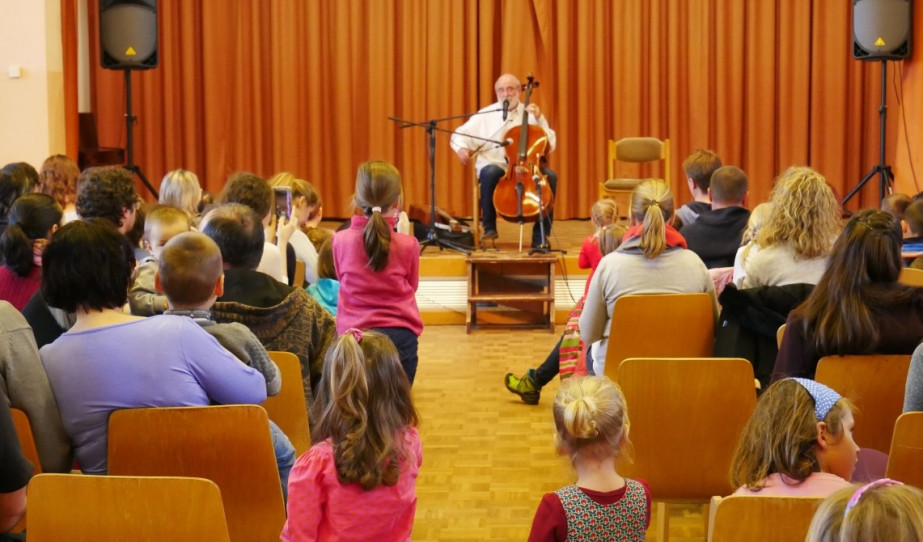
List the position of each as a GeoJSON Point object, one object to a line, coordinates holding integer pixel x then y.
{"type": "Point", "coordinates": [638, 149]}
{"type": "Point", "coordinates": [625, 184]}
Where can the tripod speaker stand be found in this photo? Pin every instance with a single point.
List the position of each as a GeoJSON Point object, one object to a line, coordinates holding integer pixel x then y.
{"type": "Point", "coordinates": [882, 169]}
{"type": "Point", "coordinates": [130, 143]}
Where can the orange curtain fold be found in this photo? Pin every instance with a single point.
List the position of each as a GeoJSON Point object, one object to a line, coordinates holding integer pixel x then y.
{"type": "Point", "coordinates": [308, 87]}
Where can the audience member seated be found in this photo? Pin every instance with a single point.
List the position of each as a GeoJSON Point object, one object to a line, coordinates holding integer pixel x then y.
{"type": "Point", "coordinates": [699, 167]}
{"type": "Point", "coordinates": [250, 190]}
{"type": "Point", "coordinates": [58, 179]}
{"type": "Point", "coordinates": [326, 290]}
{"type": "Point", "coordinates": [306, 213]}
{"type": "Point", "coordinates": [858, 307]}
{"type": "Point", "coordinates": [881, 510]}
{"type": "Point", "coordinates": [180, 188]}
{"type": "Point", "coordinates": [895, 205]}
{"type": "Point", "coordinates": [16, 179]}
{"type": "Point", "coordinates": [110, 360]}
{"type": "Point", "coordinates": [795, 242]}
{"type": "Point", "coordinates": [24, 385]}
{"type": "Point", "coordinates": [716, 235]}
{"type": "Point", "coordinates": [15, 471]}
{"type": "Point", "coordinates": [190, 273]}
{"type": "Point", "coordinates": [913, 233]}
{"type": "Point", "coordinates": [651, 260]}
{"type": "Point", "coordinates": [748, 245]}
{"type": "Point", "coordinates": [282, 317]}
{"type": "Point", "coordinates": [798, 442]}
{"type": "Point", "coordinates": [160, 226]}
{"type": "Point", "coordinates": [102, 192]}
{"type": "Point", "coordinates": [33, 218]}
{"type": "Point", "coordinates": [913, 393]}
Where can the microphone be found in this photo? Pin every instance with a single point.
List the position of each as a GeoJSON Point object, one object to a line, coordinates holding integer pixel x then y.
{"type": "Point", "coordinates": [506, 109]}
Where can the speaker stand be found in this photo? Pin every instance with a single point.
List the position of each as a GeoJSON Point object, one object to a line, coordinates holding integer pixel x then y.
{"type": "Point", "coordinates": [130, 143]}
{"type": "Point", "coordinates": [882, 169]}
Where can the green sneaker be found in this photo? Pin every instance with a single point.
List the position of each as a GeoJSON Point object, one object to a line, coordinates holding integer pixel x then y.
{"type": "Point", "coordinates": [524, 387]}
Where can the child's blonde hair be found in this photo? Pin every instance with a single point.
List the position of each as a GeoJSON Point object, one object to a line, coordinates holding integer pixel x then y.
{"type": "Point", "coordinates": [781, 435]}
{"type": "Point", "coordinates": [363, 405]}
{"type": "Point", "coordinates": [591, 418]}
{"type": "Point", "coordinates": [604, 212]}
{"type": "Point", "coordinates": [610, 238]}
{"type": "Point", "coordinates": [882, 510]}
{"type": "Point", "coordinates": [378, 188]}
{"type": "Point", "coordinates": [805, 215]}
{"type": "Point", "coordinates": [180, 188]}
{"type": "Point", "coordinates": [758, 217]}
{"type": "Point", "coordinates": [166, 216]}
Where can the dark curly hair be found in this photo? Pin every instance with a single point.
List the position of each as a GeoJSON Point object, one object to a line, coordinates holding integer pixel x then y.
{"type": "Point", "coordinates": [250, 190]}
{"type": "Point", "coordinates": [105, 192]}
{"type": "Point", "coordinates": [16, 179]}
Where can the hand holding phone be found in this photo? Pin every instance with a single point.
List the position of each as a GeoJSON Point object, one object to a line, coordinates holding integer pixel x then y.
{"type": "Point", "coordinates": [283, 201]}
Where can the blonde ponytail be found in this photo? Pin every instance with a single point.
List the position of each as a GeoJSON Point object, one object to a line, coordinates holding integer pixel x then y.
{"type": "Point", "coordinates": [652, 206]}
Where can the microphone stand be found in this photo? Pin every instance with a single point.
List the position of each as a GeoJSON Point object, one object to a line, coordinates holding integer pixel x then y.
{"type": "Point", "coordinates": [543, 248]}
{"type": "Point", "coordinates": [432, 234]}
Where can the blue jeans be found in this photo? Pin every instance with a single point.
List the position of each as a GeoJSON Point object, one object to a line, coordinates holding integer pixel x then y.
{"type": "Point", "coordinates": [406, 342]}
{"type": "Point", "coordinates": [489, 177]}
{"type": "Point", "coordinates": [285, 456]}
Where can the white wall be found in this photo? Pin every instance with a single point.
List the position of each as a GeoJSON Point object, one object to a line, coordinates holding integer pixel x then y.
{"type": "Point", "coordinates": [31, 106]}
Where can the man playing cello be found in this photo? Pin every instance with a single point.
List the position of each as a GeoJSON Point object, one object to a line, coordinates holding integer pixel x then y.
{"type": "Point", "coordinates": [493, 122]}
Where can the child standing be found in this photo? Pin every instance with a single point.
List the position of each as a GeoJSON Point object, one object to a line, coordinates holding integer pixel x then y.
{"type": "Point", "coordinates": [379, 268]}
{"type": "Point", "coordinates": [358, 482]}
{"type": "Point", "coordinates": [591, 419]}
{"type": "Point", "coordinates": [798, 442]}
{"type": "Point", "coordinates": [882, 510]}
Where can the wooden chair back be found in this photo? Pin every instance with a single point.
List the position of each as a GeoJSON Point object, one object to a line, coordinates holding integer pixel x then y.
{"type": "Point", "coordinates": [288, 409]}
{"type": "Point", "coordinates": [686, 416]}
{"type": "Point", "coordinates": [905, 462]}
{"type": "Point", "coordinates": [635, 150]}
{"type": "Point", "coordinates": [298, 277]}
{"type": "Point", "coordinates": [875, 385]}
{"type": "Point", "coordinates": [776, 519]}
{"type": "Point", "coordinates": [26, 438]}
{"type": "Point", "coordinates": [639, 328]}
{"type": "Point", "coordinates": [911, 276]}
{"type": "Point", "coordinates": [114, 508]}
{"type": "Point", "coordinates": [227, 444]}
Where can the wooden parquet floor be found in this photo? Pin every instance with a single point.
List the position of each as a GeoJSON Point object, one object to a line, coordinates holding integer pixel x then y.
{"type": "Point", "coordinates": [487, 457]}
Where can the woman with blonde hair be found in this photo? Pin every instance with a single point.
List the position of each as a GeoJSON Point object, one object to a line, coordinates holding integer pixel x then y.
{"type": "Point", "coordinates": [180, 188]}
{"type": "Point", "coordinates": [795, 242]}
{"type": "Point", "coordinates": [652, 259]}
{"type": "Point", "coordinates": [306, 211]}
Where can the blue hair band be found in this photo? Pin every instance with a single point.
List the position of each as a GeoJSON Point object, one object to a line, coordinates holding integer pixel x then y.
{"type": "Point", "coordinates": [824, 397]}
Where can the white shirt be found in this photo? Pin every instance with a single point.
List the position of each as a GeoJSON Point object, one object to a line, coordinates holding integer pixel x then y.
{"type": "Point", "coordinates": [271, 263]}
{"type": "Point", "coordinates": [305, 251]}
{"type": "Point", "coordinates": [488, 123]}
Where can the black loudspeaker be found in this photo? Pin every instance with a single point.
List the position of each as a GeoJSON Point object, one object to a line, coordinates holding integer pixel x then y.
{"type": "Point", "coordinates": [882, 29]}
{"type": "Point", "coordinates": [128, 34]}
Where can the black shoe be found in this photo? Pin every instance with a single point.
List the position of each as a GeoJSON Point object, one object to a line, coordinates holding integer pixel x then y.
{"type": "Point", "coordinates": [490, 234]}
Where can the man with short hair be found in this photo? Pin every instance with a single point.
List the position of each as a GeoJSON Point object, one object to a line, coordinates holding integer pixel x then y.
{"type": "Point", "coordinates": [716, 235]}
{"type": "Point", "coordinates": [282, 317]}
{"type": "Point", "coordinates": [108, 192]}
{"type": "Point", "coordinates": [699, 167]}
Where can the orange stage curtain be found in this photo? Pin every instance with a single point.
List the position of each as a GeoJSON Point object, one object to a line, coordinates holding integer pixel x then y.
{"type": "Point", "coordinates": [308, 87]}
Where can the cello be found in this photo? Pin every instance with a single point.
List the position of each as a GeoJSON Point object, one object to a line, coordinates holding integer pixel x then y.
{"type": "Point", "coordinates": [523, 194]}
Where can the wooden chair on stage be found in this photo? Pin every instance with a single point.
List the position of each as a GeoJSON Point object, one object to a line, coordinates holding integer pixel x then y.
{"type": "Point", "coordinates": [228, 444]}
{"type": "Point", "coordinates": [776, 519]}
{"type": "Point", "coordinates": [636, 150]}
{"type": "Point", "coordinates": [875, 384]}
{"type": "Point", "coordinates": [288, 408]}
{"type": "Point", "coordinates": [637, 328]}
{"type": "Point", "coordinates": [81, 508]}
{"type": "Point", "coordinates": [686, 416]}
{"type": "Point", "coordinates": [905, 462]}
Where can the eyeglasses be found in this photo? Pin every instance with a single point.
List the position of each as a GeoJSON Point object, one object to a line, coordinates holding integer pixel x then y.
{"type": "Point", "coordinates": [508, 89]}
